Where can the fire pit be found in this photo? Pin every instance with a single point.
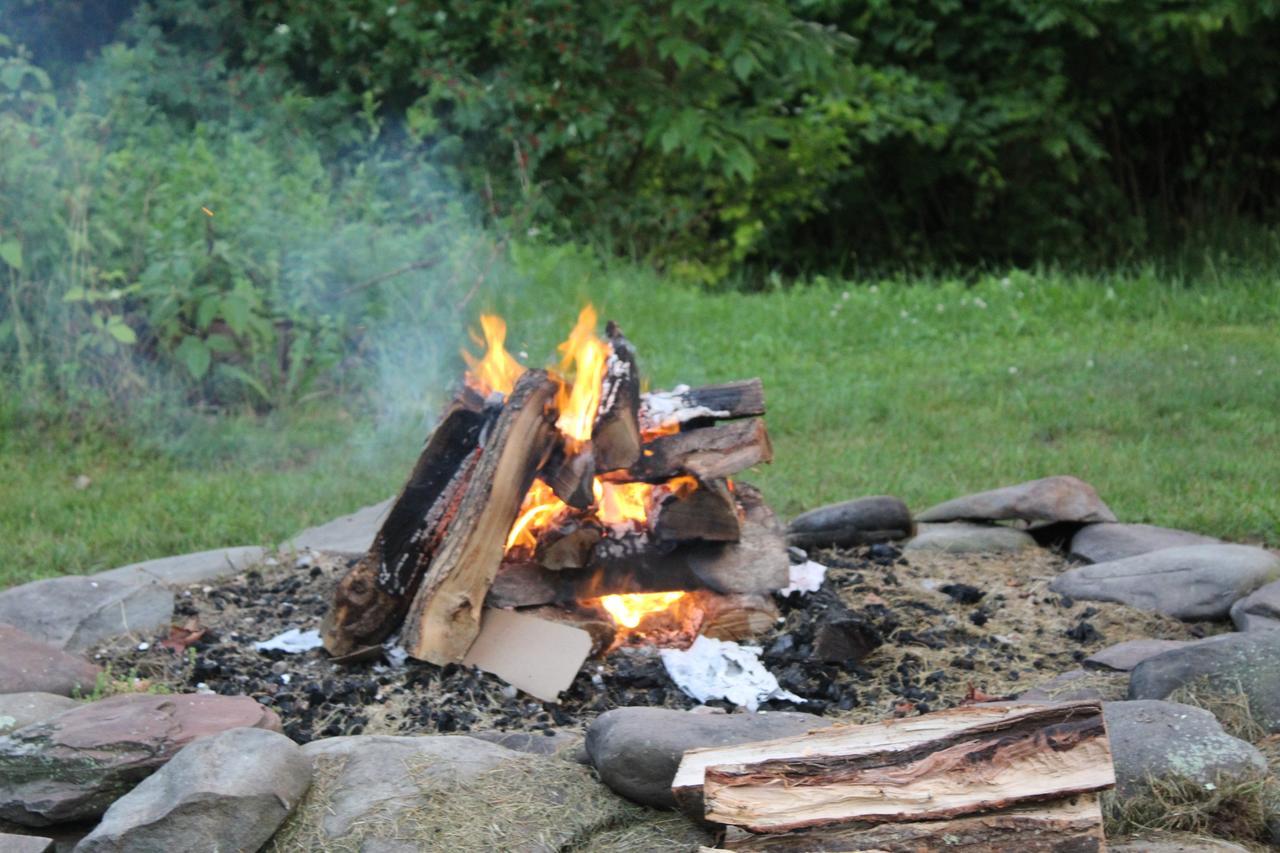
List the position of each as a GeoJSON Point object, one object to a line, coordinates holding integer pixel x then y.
{"type": "Point", "coordinates": [558, 512]}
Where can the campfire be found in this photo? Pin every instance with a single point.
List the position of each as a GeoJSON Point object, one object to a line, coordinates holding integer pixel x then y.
{"type": "Point", "coordinates": [566, 499]}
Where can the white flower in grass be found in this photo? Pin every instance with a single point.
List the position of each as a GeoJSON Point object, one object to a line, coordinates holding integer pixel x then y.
{"type": "Point", "coordinates": [282, 29]}
{"type": "Point", "coordinates": [1013, 371]}
{"type": "Point", "coordinates": [1089, 363]}
{"type": "Point", "coordinates": [875, 288]}
{"type": "Point", "coordinates": [845, 296]}
{"type": "Point", "coordinates": [904, 313]}
{"type": "Point", "coordinates": [939, 308]}
{"type": "Point", "coordinates": [391, 10]}
{"type": "Point", "coordinates": [980, 302]}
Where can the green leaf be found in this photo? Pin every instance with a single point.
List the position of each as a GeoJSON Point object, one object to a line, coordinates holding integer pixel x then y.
{"type": "Point", "coordinates": [245, 378]}
{"type": "Point", "coordinates": [194, 355]}
{"type": "Point", "coordinates": [220, 344]}
{"type": "Point", "coordinates": [119, 329]}
{"type": "Point", "coordinates": [207, 310]}
{"type": "Point", "coordinates": [11, 254]}
{"type": "Point", "coordinates": [235, 310]}
{"type": "Point", "coordinates": [742, 65]}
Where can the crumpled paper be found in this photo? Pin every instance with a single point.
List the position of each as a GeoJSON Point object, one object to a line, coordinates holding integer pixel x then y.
{"type": "Point", "coordinates": [718, 669]}
{"type": "Point", "coordinates": [805, 577]}
{"type": "Point", "coordinates": [293, 642]}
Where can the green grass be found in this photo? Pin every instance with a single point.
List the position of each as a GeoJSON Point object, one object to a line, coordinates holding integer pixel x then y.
{"type": "Point", "coordinates": [1164, 394]}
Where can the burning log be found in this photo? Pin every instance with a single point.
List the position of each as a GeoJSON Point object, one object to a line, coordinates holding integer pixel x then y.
{"type": "Point", "coordinates": [945, 768]}
{"type": "Point", "coordinates": [570, 473]}
{"type": "Point", "coordinates": [445, 615]}
{"type": "Point", "coordinates": [708, 512]}
{"type": "Point", "coordinates": [616, 434]}
{"type": "Point", "coordinates": [569, 546]}
{"type": "Point", "coordinates": [710, 453]}
{"type": "Point", "coordinates": [736, 617]}
{"type": "Point", "coordinates": [1073, 824]}
{"type": "Point", "coordinates": [661, 411]}
{"type": "Point", "coordinates": [370, 600]}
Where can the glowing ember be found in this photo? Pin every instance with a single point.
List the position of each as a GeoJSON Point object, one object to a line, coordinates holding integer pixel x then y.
{"type": "Point", "coordinates": [497, 370]}
{"type": "Point", "coordinates": [586, 354]}
{"type": "Point", "coordinates": [539, 509]}
{"type": "Point", "coordinates": [628, 610]}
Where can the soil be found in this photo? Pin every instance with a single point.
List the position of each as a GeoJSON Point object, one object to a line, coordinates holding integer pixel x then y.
{"type": "Point", "coordinates": [951, 627]}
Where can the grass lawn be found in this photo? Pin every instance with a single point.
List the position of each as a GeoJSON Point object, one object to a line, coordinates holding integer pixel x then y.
{"type": "Point", "coordinates": [1165, 395]}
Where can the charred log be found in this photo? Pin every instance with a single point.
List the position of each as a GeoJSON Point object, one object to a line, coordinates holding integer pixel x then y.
{"type": "Point", "coordinates": [708, 454]}
{"type": "Point", "coordinates": [616, 434]}
{"type": "Point", "coordinates": [444, 617]}
{"type": "Point", "coordinates": [663, 410]}
{"type": "Point", "coordinates": [709, 513]}
{"type": "Point", "coordinates": [570, 473]}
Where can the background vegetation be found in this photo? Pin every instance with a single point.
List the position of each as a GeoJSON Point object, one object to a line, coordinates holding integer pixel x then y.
{"type": "Point", "coordinates": [240, 242]}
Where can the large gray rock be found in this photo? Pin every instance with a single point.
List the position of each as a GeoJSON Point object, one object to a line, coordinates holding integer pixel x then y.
{"type": "Point", "coordinates": [862, 521]}
{"type": "Point", "coordinates": [636, 751]}
{"type": "Point", "coordinates": [1259, 610]}
{"type": "Point", "coordinates": [72, 766]}
{"type": "Point", "coordinates": [231, 791]}
{"type": "Point", "coordinates": [1102, 543]}
{"type": "Point", "coordinates": [19, 710]}
{"type": "Point", "coordinates": [10, 843]}
{"type": "Point", "coordinates": [1160, 842]}
{"type": "Point", "coordinates": [1223, 665]}
{"type": "Point", "coordinates": [1152, 739]}
{"type": "Point", "coordinates": [1050, 499]}
{"type": "Point", "coordinates": [960, 537]}
{"type": "Point", "coordinates": [186, 569]}
{"type": "Point", "coordinates": [1123, 657]}
{"type": "Point", "coordinates": [29, 665]}
{"type": "Point", "coordinates": [384, 794]}
{"type": "Point", "coordinates": [351, 534]}
{"type": "Point", "coordinates": [1194, 582]}
{"type": "Point", "coordinates": [77, 612]}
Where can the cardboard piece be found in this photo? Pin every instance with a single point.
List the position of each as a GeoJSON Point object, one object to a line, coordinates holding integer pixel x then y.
{"type": "Point", "coordinates": [538, 656]}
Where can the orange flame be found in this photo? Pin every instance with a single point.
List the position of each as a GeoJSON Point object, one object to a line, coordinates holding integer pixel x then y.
{"type": "Point", "coordinates": [539, 509]}
{"type": "Point", "coordinates": [627, 610]}
{"type": "Point", "coordinates": [586, 354]}
{"type": "Point", "coordinates": [497, 370]}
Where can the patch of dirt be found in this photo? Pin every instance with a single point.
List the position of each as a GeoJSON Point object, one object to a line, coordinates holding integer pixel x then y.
{"type": "Point", "coordinates": [952, 627]}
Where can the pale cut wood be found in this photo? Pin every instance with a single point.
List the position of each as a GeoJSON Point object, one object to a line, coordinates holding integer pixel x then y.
{"type": "Point", "coordinates": [887, 738]}
{"type": "Point", "coordinates": [570, 471]}
{"type": "Point", "coordinates": [708, 513]}
{"type": "Point", "coordinates": [369, 602]}
{"type": "Point", "coordinates": [1045, 753]}
{"type": "Point", "coordinates": [444, 618]}
{"type": "Point", "coordinates": [710, 453]}
{"type": "Point", "coordinates": [735, 617]}
{"type": "Point", "coordinates": [662, 410]}
{"type": "Point", "coordinates": [568, 546]}
{"type": "Point", "coordinates": [1070, 825]}
{"type": "Point", "coordinates": [616, 432]}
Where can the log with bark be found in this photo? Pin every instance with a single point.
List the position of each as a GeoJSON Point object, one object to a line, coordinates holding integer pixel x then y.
{"type": "Point", "coordinates": [707, 513]}
{"type": "Point", "coordinates": [616, 433]}
{"type": "Point", "coordinates": [370, 600]}
{"type": "Point", "coordinates": [444, 617]}
{"type": "Point", "coordinates": [943, 766]}
{"type": "Point", "coordinates": [664, 410]}
{"type": "Point", "coordinates": [569, 471]}
{"type": "Point", "coordinates": [710, 453]}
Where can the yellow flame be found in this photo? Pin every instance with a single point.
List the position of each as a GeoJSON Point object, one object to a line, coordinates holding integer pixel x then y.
{"type": "Point", "coordinates": [539, 508]}
{"type": "Point", "coordinates": [620, 502]}
{"type": "Point", "coordinates": [627, 610]}
{"type": "Point", "coordinates": [586, 354]}
{"type": "Point", "coordinates": [497, 370]}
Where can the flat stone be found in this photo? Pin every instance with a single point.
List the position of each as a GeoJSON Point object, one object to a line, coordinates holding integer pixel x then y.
{"type": "Point", "coordinates": [636, 751]}
{"type": "Point", "coordinates": [1259, 610]}
{"type": "Point", "coordinates": [1102, 543]}
{"type": "Point", "coordinates": [861, 521]}
{"type": "Point", "coordinates": [1153, 739]}
{"type": "Point", "coordinates": [77, 612]}
{"type": "Point", "coordinates": [960, 537]}
{"type": "Point", "coordinates": [547, 742]}
{"type": "Point", "coordinates": [1122, 657]}
{"type": "Point", "coordinates": [1075, 685]}
{"type": "Point", "coordinates": [351, 534]}
{"type": "Point", "coordinates": [29, 665]}
{"type": "Point", "coordinates": [18, 710]}
{"type": "Point", "coordinates": [187, 569]}
{"type": "Point", "coordinates": [1229, 664]}
{"type": "Point", "coordinates": [10, 843]}
{"type": "Point", "coordinates": [387, 794]}
{"type": "Point", "coordinates": [231, 791]}
{"type": "Point", "coordinates": [1192, 583]}
{"type": "Point", "coordinates": [74, 765]}
{"type": "Point", "coordinates": [1050, 499]}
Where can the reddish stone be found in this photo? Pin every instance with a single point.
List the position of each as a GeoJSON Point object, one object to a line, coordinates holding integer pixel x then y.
{"type": "Point", "coordinates": [29, 665]}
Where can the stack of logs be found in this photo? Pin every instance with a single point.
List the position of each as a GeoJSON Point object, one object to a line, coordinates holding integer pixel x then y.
{"type": "Point", "coordinates": [441, 555]}
{"type": "Point", "coordinates": [993, 778]}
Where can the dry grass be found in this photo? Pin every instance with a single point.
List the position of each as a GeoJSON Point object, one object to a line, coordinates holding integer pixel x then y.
{"type": "Point", "coordinates": [1231, 808]}
{"type": "Point", "coordinates": [1231, 708]}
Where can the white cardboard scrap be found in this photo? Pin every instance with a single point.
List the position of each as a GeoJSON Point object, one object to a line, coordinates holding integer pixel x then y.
{"type": "Point", "coordinates": [806, 577]}
{"type": "Point", "coordinates": [718, 669]}
{"type": "Point", "coordinates": [536, 655]}
{"type": "Point", "coordinates": [293, 641]}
